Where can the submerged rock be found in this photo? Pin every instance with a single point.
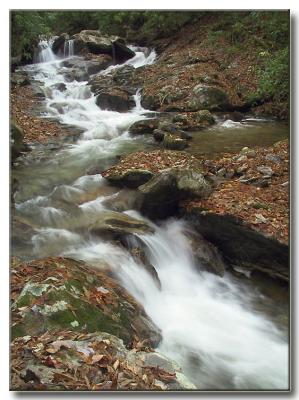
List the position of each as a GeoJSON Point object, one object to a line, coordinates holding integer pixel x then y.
{"type": "Point", "coordinates": [60, 293]}
{"type": "Point", "coordinates": [118, 224]}
{"type": "Point", "coordinates": [174, 142]}
{"type": "Point", "coordinates": [93, 66]}
{"type": "Point", "coordinates": [58, 86]}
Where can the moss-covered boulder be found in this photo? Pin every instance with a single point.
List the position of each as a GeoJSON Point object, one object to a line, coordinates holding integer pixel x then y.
{"type": "Point", "coordinates": [60, 293]}
{"type": "Point", "coordinates": [204, 116]}
{"type": "Point", "coordinates": [174, 142]}
{"type": "Point", "coordinates": [208, 98]}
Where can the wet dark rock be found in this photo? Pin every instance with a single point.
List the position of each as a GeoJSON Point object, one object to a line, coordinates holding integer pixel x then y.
{"type": "Point", "coordinates": [131, 178]}
{"type": "Point", "coordinates": [121, 52]}
{"type": "Point", "coordinates": [17, 144]}
{"type": "Point", "coordinates": [207, 256]}
{"type": "Point", "coordinates": [136, 249]}
{"type": "Point", "coordinates": [159, 135]}
{"type": "Point", "coordinates": [115, 99]}
{"type": "Point", "coordinates": [144, 126]}
{"type": "Point", "coordinates": [242, 246]}
{"type": "Point", "coordinates": [59, 106]}
{"type": "Point", "coordinates": [58, 86]}
{"type": "Point", "coordinates": [58, 44]}
{"type": "Point", "coordinates": [118, 224]}
{"type": "Point", "coordinates": [15, 62]}
{"type": "Point", "coordinates": [160, 195]}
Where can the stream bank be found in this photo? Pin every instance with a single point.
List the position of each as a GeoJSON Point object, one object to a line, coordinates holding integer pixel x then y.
{"type": "Point", "coordinates": [65, 205]}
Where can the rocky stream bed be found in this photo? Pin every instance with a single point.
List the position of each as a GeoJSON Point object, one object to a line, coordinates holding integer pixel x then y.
{"type": "Point", "coordinates": [138, 261]}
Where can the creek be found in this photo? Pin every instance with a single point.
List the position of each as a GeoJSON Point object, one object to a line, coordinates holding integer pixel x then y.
{"type": "Point", "coordinates": [224, 332]}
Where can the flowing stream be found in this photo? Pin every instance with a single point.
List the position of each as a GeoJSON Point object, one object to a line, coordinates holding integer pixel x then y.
{"type": "Point", "coordinates": [214, 327]}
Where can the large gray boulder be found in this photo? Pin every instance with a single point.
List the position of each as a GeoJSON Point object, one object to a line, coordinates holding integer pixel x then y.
{"type": "Point", "coordinates": [160, 196]}
{"type": "Point", "coordinates": [208, 98]}
{"type": "Point", "coordinates": [95, 42]}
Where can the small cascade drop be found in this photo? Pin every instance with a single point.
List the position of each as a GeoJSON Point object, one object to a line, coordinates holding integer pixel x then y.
{"type": "Point", "coordinates": [68, 50]}
{"type": "Point", "coordinates": [44, 52]}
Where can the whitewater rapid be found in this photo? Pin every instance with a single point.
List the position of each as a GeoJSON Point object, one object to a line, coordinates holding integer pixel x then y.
{"type": "Point", "coordinates": [209, 324]}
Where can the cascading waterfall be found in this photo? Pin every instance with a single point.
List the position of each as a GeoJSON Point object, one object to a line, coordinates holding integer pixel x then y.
{"type": "Point", "coordinates": [44, 52]}
{"type": "Point", "coordinates": [209, 324]}
{"type": "Point", "coordinates": [68, 49]}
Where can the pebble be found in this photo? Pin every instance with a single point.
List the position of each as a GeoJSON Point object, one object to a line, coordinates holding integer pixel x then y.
{"type": "Point", "coordinates": [242, 158]}
{"type": "Point", "coordinates": [273, 157]}
{"type": "Point", "coordinates": [260, 219]}
{"type": "Point", "coordinates": [267, 171]}
{"type": "Point", "coordinates": [221, 172]}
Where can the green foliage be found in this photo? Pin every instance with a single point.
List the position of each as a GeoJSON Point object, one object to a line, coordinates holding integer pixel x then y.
{"type": "Point", "coordinates": [26, 26]}
{"type": "Point", "coordinates": [274, 78]}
